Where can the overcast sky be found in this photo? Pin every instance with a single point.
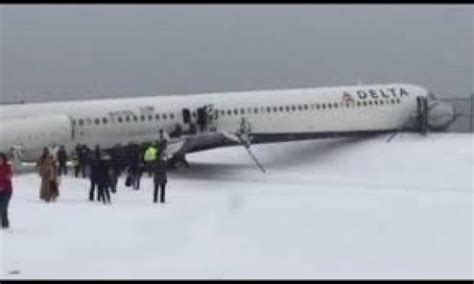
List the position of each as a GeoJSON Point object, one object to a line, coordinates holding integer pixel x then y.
{"type": "Point", "coordinates": [65, 52]}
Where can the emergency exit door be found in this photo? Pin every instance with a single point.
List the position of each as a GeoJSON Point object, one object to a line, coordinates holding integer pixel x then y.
{"type": "Point", "coordinates": [186, 116]}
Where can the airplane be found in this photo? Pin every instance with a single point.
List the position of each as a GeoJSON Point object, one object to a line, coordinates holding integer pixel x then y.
{"type": "Point", "coordinates": [200, 122]}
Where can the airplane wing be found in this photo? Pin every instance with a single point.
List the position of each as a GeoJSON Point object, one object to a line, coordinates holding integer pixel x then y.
{"type": "Point", "coordinates": [201, 141]}
{"type": "Point", "coordinates": [209, 140]}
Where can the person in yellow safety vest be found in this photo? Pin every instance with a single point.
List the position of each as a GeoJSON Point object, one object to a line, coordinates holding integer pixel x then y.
{"type": "Point", "coordinates": [150, 156]}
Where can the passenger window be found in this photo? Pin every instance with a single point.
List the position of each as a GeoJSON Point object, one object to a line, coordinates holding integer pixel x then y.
{"type": "Point", "coordinates": [242, 111]}
{"type": "Point", "coordinates": [269, 109]}
{"type": "Point", "coordinates": [157, 116]}
{"type": "Point", "coordinates": [164, 116]}
{"type": "Point", "coordinates": [236, 111]}
{"type": "Point", "coordinates": [305, 107]}
{"type": "Point", "coordinates": [329, 105]}
{"type": "Point", "coordinates": [120, 119]}
{"type": "Point", "coordinates": [376, 102]}
{"type": "Point", "coordinates": [323, 106]}
{"type": "Point", "coordinates": [358, 103]}
{"type": "Point", "coordinates": [150, 117]}
{"type": "Point", "coordinates": [393, 101]}
{"type": "Point", "coordinates": [127, 119]}
{"type": "Point", "coordinates": [281, 109]}
{"type": "Point", "coordinates": [364, 103]}
{"type": "Point", "coordinates": [104, 120]}
{"type": "Point", "coordinates": [255, 110]}
{"type": "Point", "coordinates": [318, 106]}
{"type": "Point", "coordinates": [370, 102]}
{"type": "Point", "coordinates": [275, 109]}
{"type": "Point", "coordinates": [398, 101]}
{"type": "Point", "coordinates": [142, 117]}
{"type": "Point", "coordinates": [229, 112]}
{"type": "Point", "coordinates": [171, 115]}
{"type": "Point", "coordinates": [88, 121]}
{"type": "Point", "coordinates": [335, 105]}
{"type": "Point", "coordinates": [300, 108]}
{"type": "Point", "coordinates": [81, 122]}
{"type": "Point", "coordinates": [348, 104]}
{"type": "Point", "coordinates": [222, 112]}
{"type": "Point", "coordinates": [293, 107]}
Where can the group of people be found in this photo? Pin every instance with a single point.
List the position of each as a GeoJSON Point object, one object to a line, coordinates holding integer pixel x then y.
{"type": "Point", "coordinates": [102, 167]}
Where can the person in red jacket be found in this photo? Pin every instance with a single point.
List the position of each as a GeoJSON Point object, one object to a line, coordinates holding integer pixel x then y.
{"type": "Point", "coordinates": [5, 189]}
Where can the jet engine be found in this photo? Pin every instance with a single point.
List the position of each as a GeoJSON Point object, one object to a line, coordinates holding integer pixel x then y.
{"type": "Point", "coordinates": [440, 115]}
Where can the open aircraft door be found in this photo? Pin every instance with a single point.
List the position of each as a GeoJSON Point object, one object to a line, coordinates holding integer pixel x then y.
{"type": "Point", "coordinates": [186, 116]}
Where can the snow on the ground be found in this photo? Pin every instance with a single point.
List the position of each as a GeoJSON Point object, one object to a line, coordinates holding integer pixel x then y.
{"type": "Point", "coordinates": [335, 208]}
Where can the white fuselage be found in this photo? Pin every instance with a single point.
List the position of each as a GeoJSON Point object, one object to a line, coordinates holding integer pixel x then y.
{"type": "Point", "coordinates": [119, 121]}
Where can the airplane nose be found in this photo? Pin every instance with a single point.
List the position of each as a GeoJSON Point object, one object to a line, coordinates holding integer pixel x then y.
{"type": "Point", "coordinates": [440, 115]}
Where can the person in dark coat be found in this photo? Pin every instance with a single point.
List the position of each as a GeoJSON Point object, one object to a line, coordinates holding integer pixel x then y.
{"type": "Point", "coordinates": [102, 178]}
{"type": "Point", "coordinates": [6, 189]}
{"type": "Point", "coordinates": [84, 159]}
{"type": "Point", "coordinates": [93, 163]}
{"type": "Point", "coordinates": [140, 152]}
{"type": "Point", "coordinates": [159, 180]}
{"type": "Point", "coordinates": [134, 167]}
{"type": "Point", "coordinates": [115, 167]}
{"type": "Point", "coordinates": [62, 159]}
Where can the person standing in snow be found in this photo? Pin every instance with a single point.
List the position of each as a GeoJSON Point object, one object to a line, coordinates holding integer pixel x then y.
{"type": "Point", "coordinates": [114, 171]}
{"type": "Point", "coordinates": [6, 189]}
{"type": "Point", "coordinates": [103, 178]}
{"type": "Point", "coordinates": [136, 166]}
{"type": "Point", "coordinates": [83, 155]}
{"type": "Point", "coordinates": [46, 166]}
{"type": "Point", "coordinates": [62, 159]}
{"type": "Point", "coordinates": [93, 164]}
{"type": "Point", "coordinates": [159, 180]}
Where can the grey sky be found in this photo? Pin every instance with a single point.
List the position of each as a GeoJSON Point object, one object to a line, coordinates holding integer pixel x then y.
{"type": "Point", "coordinates": [64, 52]}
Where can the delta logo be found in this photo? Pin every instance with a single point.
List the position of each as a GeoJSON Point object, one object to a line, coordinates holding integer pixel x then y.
{"type": "Point", "coordinates": [375, 94]}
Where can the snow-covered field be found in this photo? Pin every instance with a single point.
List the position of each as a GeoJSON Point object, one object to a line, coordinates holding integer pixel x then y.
{"type": "Point", "coordinates": [342, 208]}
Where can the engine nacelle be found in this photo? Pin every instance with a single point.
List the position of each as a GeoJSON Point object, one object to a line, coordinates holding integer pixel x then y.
{"type": "Point", "coordinates": [440, 115]}
{"type": "Point", "coordinates": [31, 135]}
